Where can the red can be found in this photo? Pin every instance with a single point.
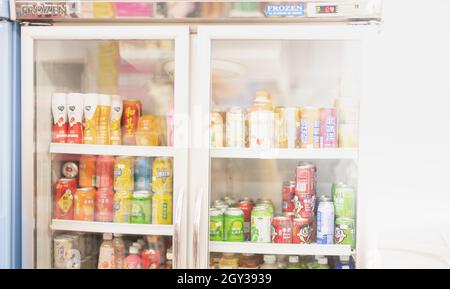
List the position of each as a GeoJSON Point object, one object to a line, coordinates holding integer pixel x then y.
{"type": "Point", "coordinates": [130, 119]}
{"type": "Point", "coordinates": [290, 215]}
{"type": "Point", "coordinates": [105, 172]}
{"type": "Point", "coordinates": [288, 190]}
{"type": "Point", "coordinates": [304, 205]}
{"type": "Point", "coordinates": [305, 178]}
{"type": "Point", "coordinates": [302, 230]}
{"type": "Point", "coordinates": [246, 206]}
{"type": "Point", "coordinates": [84, 204]}
{"type": "Point", "coordinates": [64, 193]}
{"type": "Point", "coordinates": [281, 230]}
{"type": "Point", "coordinates": [104, 199]}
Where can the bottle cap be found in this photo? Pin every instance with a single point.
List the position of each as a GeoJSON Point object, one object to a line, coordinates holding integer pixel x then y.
{"type": "Point", "coordinates": [137, 245]}
{"type": "Point", "coordinates": [107, 236]}
{"type": "Point", "coordinates": [133, 250]}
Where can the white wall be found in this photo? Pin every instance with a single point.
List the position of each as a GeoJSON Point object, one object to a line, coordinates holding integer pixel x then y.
{"type": "Point", "coordinates": [405, 145]}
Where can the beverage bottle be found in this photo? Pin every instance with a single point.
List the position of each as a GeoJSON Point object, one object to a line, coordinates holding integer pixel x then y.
{"type": "Point", "coordinates": [115, 129]}
{"type": "Point", "coordinates": [262, 122]}
{"type": "Point", "coordinates": [106, 254]}
{"type": "Point", "coordinates": [293, 263]}
{"type": "Point", "coordinates": [60, 123]}
{"type": "Point", "coordinates": [138, 246]}
{"type": "Point", "coordinates": [228, 261]}
{"type": "Point", "coordinates": [169, 257]}
{"type": "Point", "coordinates": [119, 251]}
{"type": "Point", "coordinates": [151, 256]}
{"type": "Point", "coordinates": [133, 261]}
{"type": "Point", "coordinates": [323, 263]}
{"type": "Point", "coordinates": [269, 262]}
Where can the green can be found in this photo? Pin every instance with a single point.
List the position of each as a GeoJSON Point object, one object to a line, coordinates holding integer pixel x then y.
{"type": "Point", "coordinates": [141, 208]}
{"type": "Point", "coordinates": [216, 224]}
{"type": "Point", "coordinates": [344, 201]}
{"type": "Point", "coordinates": [261, 224]}
{"type": "Point", "coordinates": [234, 225]}
{"type": "Point", "coordinates": [344, 232]}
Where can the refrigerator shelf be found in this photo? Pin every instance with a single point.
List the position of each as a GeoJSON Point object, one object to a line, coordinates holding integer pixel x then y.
{"type": "Point", "coordinates": [119, 228]}
{"type": "Point", "coordinates": [111, 150]}
{"type": "Point", "coordinates": [250, 153]}
{"type": "Point", "coordinates": [280, 249]}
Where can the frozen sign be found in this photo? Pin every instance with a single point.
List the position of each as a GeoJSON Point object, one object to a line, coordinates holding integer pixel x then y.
{"type": "Point", "coordinates": [42, 9]}
{"type": "Point", "coordinates": [297, 10]}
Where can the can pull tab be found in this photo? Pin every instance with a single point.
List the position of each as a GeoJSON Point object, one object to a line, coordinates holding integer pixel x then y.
{"type": "Point", "coordinates": [74, 262]}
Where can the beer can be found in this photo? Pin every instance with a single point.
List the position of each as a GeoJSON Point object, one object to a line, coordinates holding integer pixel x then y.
{"type": "Point", "coordinates": [122, 206]}
{"type": "Point", "coordinates": [217, 129]}
{"type": "Point", "coordinates": [162, 208]}
{"type": "Point", "coordinates": [65, 190]}
{"type": "Point", "coordinates": [302, 231]}
{"type": "Point", "coordinates": [87, 178]}
{"type": "Point", "coordinates": [216, 224]}
{"type": "Point", "coordinates": [60, 124]}
{"type": "Point", "coordinates": [141, 207]}
{"type": "Point", "coordinates": [84, 204]}
{"type": "Point", "coordinates": [124, 173]}
{"type": "Point", "coordinates": [130, 118]}
{"type": "Point", "coordinates": [91, 114]}
{"type": "Point", "coordinates": [75, 103]}
{"type": "Point", "coordinates": [162, 175]}
{"type": "Point", "coordinates": [235, 127]}
{"type": "Point", "coordinates": [287, 122]}
{"type": "Point", "coordinates": [234, 225]}
{"type": "Point", "coordinates": [325, 221]}
{"type": "Point", "coordinates": [143, 174]}
{"type": "Point", "coordinates": [309, 127]}
{"type": "Point", "coordinates": [115, 128]}
{"type": "Point", "coordinates": [246, 207]}
{"type": "Point", "coordinates": [344, 232]}
{"type": "Point", "coordinates": [104, 114]}
{"type": "Point", "coordinates": [70, 170]}
{"type": "Point", "coordinates": [288, 194]}
{"type": "Point", "coordinates": [281, 230]}
{"type": "Point", "coordinates": [104, 205]}
{"type": "Point", "coordinates": [105, 172]}
{"type": "Point", "coordinates": [328, 128]}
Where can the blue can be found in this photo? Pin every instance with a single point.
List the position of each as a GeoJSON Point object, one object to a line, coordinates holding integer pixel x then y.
{"type": "Point", "coordinates": [143, 173]}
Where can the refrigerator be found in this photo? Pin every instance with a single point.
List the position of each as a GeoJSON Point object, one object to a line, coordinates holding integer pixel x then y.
{"type": "Point", "coordinates": [10, 146]}
{"type": "Point", "coordinates": [222, 106]}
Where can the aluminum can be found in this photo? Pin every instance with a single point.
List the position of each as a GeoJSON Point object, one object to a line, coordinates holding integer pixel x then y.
{"type": "Point", "coordinates": [344, 232]}
{"type": "Point", "coordinates": [162, 175]}
{"type": "Point", "coordinates": [235, 129]}
{"type": "Point", "coordinates": [70, 170]}
{"type": "Point", "coordinates": [105, 172]}
{"type": "Point", "coordinates": [65, 190]}
{"type": "Point", "coordinates": [216, 224]}
{"type": "Point", "coordinates": [162, 208]}
{"type": "Point", "coordinates": [143, 174]}
{"type": "Point", "coordinates": [234, 225]}
{"type": "Point", "coordinates": [246, 207]}
{"type": "Point", "coordinates": [87, 178]}
{"type": "Point", "coordinates": [281, 230]}
{"type": "Point", "coordinates": [261, 224]}
{"type": "Point", "coordinates": [104, 200]}
{"type": "Point", "coordinates": [84, 204]}
{"type": "Point", "coordinates": [325, 221]}
{"type": "Point", "coordinates": [124, 173]}
{"type": "Point", "coordinates": [328, 128]}
{"type": "Point", "coordinates": [302, 231]}
{"type": "Point", "coordinates": [288, 191]}
{"type": "Point", "coordinates": [122, 207]}
{"type": "Point", "coordinates": [141, 207]}
{"type": "Point", "coordinates": [309, 127]}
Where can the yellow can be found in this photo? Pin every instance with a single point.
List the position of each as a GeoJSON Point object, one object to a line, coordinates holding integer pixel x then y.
{"type": "Point", "coordinates": [122, 207]}
{"type": "Point", "coordinates": [124, 174]}
{"type": "Point", "coordinates": [162, 209]}
{"type": "Point", "coordinates": [162, 175]}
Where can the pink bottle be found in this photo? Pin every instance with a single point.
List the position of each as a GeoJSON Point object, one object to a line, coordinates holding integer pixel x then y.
{"type": "Point", "coordinates": [133, 261]}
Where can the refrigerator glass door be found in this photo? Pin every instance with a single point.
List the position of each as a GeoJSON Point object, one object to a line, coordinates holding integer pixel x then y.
{"type": "Point", "coordinates": [104, 146]}
{"type": "Point", "coordinates": [280, 107]}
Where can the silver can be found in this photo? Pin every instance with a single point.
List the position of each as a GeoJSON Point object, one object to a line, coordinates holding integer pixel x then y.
{"type": "Point", "coordinates": [234, 128]}
{"type": "Point", "coordinates": [70, 170]}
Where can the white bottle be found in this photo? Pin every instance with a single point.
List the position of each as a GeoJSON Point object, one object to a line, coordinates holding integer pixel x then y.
{"type": "Point", "coordinates": [269, 262]}
{"type": "Point", "coordinates": [106, 255]}
{"type": "Point", "coordinates": [119, 251]}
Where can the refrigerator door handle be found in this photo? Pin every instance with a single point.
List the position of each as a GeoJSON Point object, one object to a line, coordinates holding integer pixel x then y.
{"type": "Point", "coordinates": [176, 233]}
{"type": "Point", "coordinates": [196, 236]}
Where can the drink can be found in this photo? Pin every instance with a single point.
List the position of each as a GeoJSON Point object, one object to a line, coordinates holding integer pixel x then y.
{"type": "Point", "coordinates": [325, 221]}
{"type": "Point", "coordinates": [246, 207]}
{"type": "Point", "coordinates": [287, 122]}
{"type": "Point", "coordinates": [104, 199]}
{"type": "Point", "coordinates": [115, 128]}
{"type": "Point", "coordinates": [302, 231]}
{"type": "Point", "coordinates": [288, 204]}
{"type": "Point", "coordinates": [344, 201]}
{"type": "Point", "coordinates": [84, 204]}
{"type": "Point", "coordinates": [59, 111]}
{"type": "Point", "coordinates": [281, 230]}
{"type": "Point", "coordinates": [305, 178]}
{"type": "Point", "coordinates": [124, 173]}
{"type": "Point", "coordinates": [290, 215]}
{"type": "Point", "coordinates": [105, 172]}
{"type": "Point", "coordinates": [304, 204]}
{"type": "Point", "coordinates": [328, 128]}
{"type": "Point", "coordinates": [75, 103]}
{"type": "Point", "coordinates": [70, 170]}
{"type": "Point", "coordinates": [141, 207]}
{"type": "Point", "coordinates": [309, 127]}
{"type": "Point", "coordinates": [344, 232]}
{"type": "Point", "coordinates": [87, 178]}
{"type": "Point", "coordinates": [235, 127]}
{"type": "Point", "coordinates": [217, 129]}
{"type": "Point", "coordinates": [162, 209]}
{"type": "Point", "coordinates": [122, 207]}
{"type": "Point", "coordinates": [143, 173]}
{"type": "Point", "coordinates": [130, 119]}
{"type": "Point", "coordinates": [91, 114]}
{"type": "Point", "coordinates": [162, 175]}
{"type": "Point", "coordinates": [63, 247]}
{"type": "Point", "coordinates": [234, 225]}
{"type": "Point", "coordinates": [65, 190]}
{"type": "Point", "coordinates": [216, 224]}
{"type": "Point", "coordinates": [104, 114]}
{"type": "Point", "coordinates": [261, 224]}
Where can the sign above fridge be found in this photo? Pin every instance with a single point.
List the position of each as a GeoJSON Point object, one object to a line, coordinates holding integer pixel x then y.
{"type": "Point", "coordinates": [198, 11]}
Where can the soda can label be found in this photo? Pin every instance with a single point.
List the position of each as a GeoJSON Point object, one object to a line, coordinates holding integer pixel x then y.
{"type": "Point", "coordinates": [302, 231]}
{"type": "Point", "coordinates": [216, 225]}
{"type": "Point", "coordinates": [141, 208]}
{"type": "Point", "coordinates": [261, 226]}
{"type": "Point", "coordinates": [59, 111]}
{"type": "Point", "coordinates": [122, 207]}
{"type": "Point", "coordinates": [344, 202]}
{"type": "Point", "coordinates": [75, 118]}
{"type": "Point", "coordinates": [84, 204]}
{"type": "Point", "coordinates": [344, 232]}
{"type": "Point", "coordinates": [142, 174]}
{"type": "Point", "coordinates": [234, 225]}
{"type": "Point", "coordinates": [304, 204]}
{"type": "Point", "coordinates": [246, 208]}
{"type": "Point", "coordinates": [162, 175]}
{"type": "Point", "coordinates": [87, 178]}
{"type": "Point", "coordinates": [105, 172]}
{"type": "Point", "coordinates": [309, 127]}
{"type": "Point", "coordinates": [325, 223]}
{"type": "Point", "coordinates": [65, 192]}
{"type": "Point", "coordinates": [281, 230]}
{"type": "Point", "coordinates": [305, 178]}
{"type": "Point", "coordinates": [288, 191]}
{"type": "Point", "coordinates": [104, 205]}
{"type": "Point", "coordinates": [124, 174]}
{"type": "Point", "coordinates": [328, 128]}
{"type": "Point", "coordinates": [162, 209]}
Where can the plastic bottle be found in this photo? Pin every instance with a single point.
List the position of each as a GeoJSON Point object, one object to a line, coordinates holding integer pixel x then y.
{"type": "Point", "coordinates": [119, 251]}
{"type": "Point", "coordinates": [106, 254]}
{"type": "Point", "coordinates": [228, 261]}
{"type": "Point", "coordinates": [169, 257]}
{"type": "Point", "coordinates": [293, 263]}
{"type": "Point", "coordinates": [323, 263]}
{"type": "Point", "coordinates": [261, 121]}
{"type": "Point", "coordinates": [269, 262]}
{"type": "Point", "coordinates": [133, 261]}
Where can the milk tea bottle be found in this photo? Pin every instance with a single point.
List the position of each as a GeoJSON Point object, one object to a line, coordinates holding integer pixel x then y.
{"type": "Point", "coordinates": [106, 254]}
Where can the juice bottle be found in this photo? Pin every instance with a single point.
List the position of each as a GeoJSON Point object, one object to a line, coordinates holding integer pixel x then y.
{"type": "Point", "coordinates": [261, 118]}
{"type": "Point", "coordinates": [269, 262]}
{"type": "Point", "coordinates": [106, 255]}
{"type": "Point", "coordinates": [293, 263]}
{"type": "Point", "coordinates": [119, 251]}
{"type": "Point", "coordinates": [133, 261]}
{"type": "Point", "coordinates": [248, 261]}
{"type": "Point", "coordinates": [151, 257]}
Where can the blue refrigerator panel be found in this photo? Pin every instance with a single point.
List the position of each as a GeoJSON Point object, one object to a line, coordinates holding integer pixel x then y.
{"type": "Point", "coordinates": [10, 146]}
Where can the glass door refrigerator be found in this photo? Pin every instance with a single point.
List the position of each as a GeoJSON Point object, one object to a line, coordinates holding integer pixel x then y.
{"type": "Point", "coordinates": [104, 146]}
